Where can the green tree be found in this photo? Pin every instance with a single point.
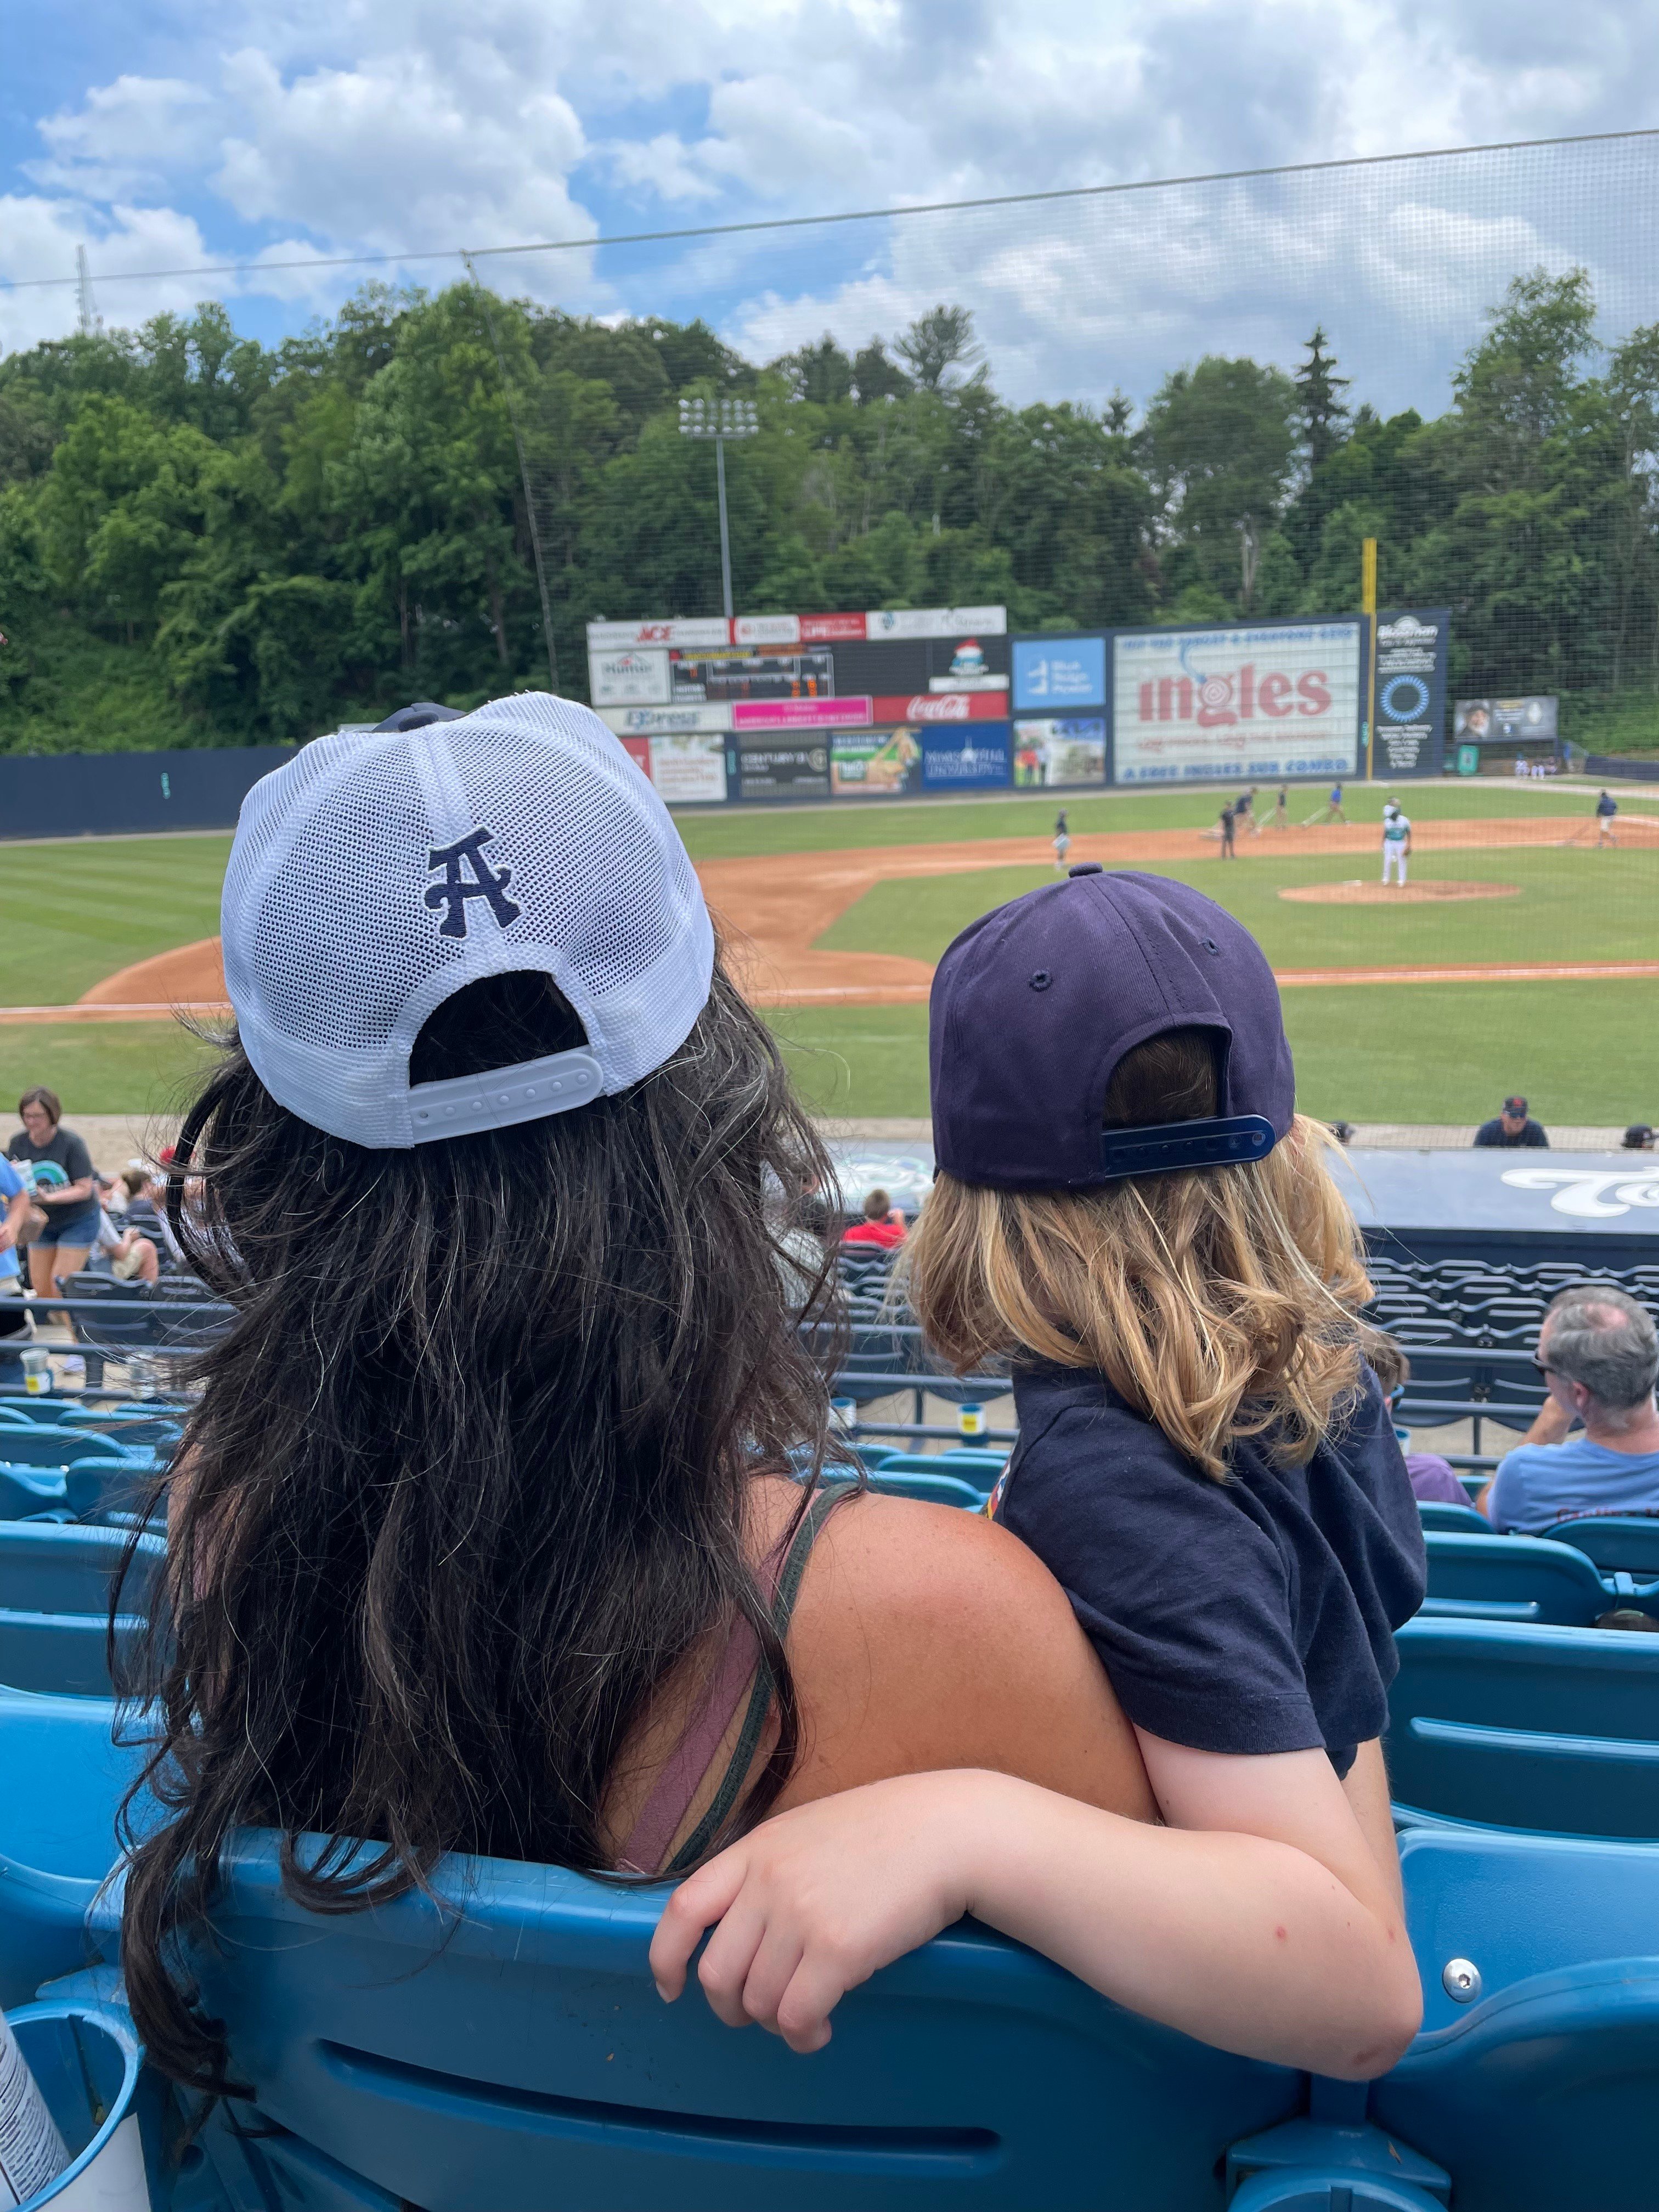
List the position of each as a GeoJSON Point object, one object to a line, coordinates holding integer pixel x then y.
{"type": "Point", "coordinates": [1222, 439]}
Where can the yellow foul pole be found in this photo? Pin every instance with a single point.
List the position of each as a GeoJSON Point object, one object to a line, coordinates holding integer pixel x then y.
{"type": "Point", "coordinates": [1368, 606]}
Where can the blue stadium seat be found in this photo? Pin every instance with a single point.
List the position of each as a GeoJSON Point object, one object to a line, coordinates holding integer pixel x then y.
{"type": "Point", "coordinates": [1492, 1578]}
{"type": "Point", "coordinates": [976, 1463]}
{"type": "Point", "coordinates": [26, 1490]}
{"type": "Point", "coordinates": [48, 1445]}
{"type": "Point", "coordinates": [54, 1604]}
{"type": "Point", "coordinates": [501, 2046]}
{"type": "Point", "coordinates": [1521, 1727]}
{"type": "Point", "coordinates": [1537, 2095]}
{"type": "Point", "coordinates": [1624, 1543]}
{"type": "Point", "coordinates": [1437, 1513]}
{"type": "Point", "coordinates": [511, 2051]}
{"type": "Point", "coordinates": [933, 1485]}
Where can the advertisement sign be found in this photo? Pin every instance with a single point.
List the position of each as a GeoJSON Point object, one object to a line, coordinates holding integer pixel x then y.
{"type": "Point", "coordinates": [800, 713]}
{"type": "Point", "coordinates": [1410, 692]}
{"type": "Point", "coordinates": [768, 771]}
{"type": "Point", "coordinates": [832, 629]}
{"type": "Point", "coordinates": [1053, 675]}
{"type": "Point", "coordinates": [665, 721]}
{"type": "Point", "coordinates": [972, 759]}
{"type": "Point", "coordinates": [1070, 749]}
{"type": "Point", "coordinates": [1506, 721]}
{"type": "Point", "coordinates": [883, 764]}
{"type": "Point", "coordinates": [766, 629]}
{"type": "Point", "coordinates": [1273, 699]}
{"type": "Point", "coordinates": [941, 707]}
{"type": "Point", "coordinates": [608, 636]}
{"type": "Point", "coordinates": [632, 679]}
{"type": "Point", "coordinates": [968, 671]}
{"type": "Point", "coordinates": [934, 622]}
{"type": "Point", "coordinates": [689, 771]}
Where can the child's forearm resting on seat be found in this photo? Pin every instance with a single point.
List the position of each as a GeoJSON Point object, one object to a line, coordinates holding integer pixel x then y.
{"type": "Point", "coordinates": [1241, 1941]}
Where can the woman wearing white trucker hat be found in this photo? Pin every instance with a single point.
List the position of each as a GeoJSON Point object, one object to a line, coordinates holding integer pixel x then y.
{"type": "Point", "coordinates": [484, 1537]}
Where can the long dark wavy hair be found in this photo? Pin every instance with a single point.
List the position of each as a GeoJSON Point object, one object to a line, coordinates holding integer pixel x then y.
{"type": "Point", "coordinates": [466, 1480]}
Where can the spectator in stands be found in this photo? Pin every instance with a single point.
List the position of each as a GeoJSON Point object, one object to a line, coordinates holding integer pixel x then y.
{"type": "Point", "coordinates": [1512, 1128]}
{"type": "Point", "coordinates": [1433, 1477]}
{"type": "Point", "coordinates": [1599, 1357]}
{"type": "Point", "coordinates": [489, 1533]}
{"type": "Point", "coordinates": [13, 1210]}
{"type": "Point", "coordinates": [131, 1255]}
{"type": "Point", "coordinates": [883, 1224]}
{"type": "Point", "coordinates": [146, 1200]}
{"type": "Point", "coordinates": [62, 1185]}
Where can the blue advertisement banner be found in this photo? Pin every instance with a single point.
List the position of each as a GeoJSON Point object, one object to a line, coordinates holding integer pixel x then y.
{"type": "Point", "coordinates": [1410, 692]}
{"type": "Point", "coordinates": [1054, 674]}
{"type": "Point", "coordinates": [965, 757]}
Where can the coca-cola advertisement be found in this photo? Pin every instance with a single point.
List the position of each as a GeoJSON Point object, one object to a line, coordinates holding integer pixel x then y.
{"type": "Point", "coordinates": [1273, 699]}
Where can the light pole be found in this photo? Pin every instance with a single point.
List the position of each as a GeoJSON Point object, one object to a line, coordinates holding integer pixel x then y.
{"type": "Point", "coordinates": [719, 419]}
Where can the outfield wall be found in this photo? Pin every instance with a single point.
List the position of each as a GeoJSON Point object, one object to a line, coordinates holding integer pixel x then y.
{"type": "Point", "coordinates": [99, 795]}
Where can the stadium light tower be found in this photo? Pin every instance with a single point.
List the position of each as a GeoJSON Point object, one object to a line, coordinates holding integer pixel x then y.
{"type": "Point", "coordinates": [719, 419]}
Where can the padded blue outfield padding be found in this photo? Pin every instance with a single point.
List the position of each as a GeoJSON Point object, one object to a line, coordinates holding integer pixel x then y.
{"type": "Point", "coordinates": [513, 2053]}
{"type": "Point", "coordinates": [1514, 1578]}
{"type": "Point", "coordinates": [1540, 2096]}
{"type": "Point", "coordinates": [1616, 1542]}
{"type": "Point", "coordinates": [1549, 1729]}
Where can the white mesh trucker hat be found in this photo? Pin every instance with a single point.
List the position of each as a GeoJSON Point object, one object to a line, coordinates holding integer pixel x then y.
{"type": "Point", "coordinates": [377, 873]}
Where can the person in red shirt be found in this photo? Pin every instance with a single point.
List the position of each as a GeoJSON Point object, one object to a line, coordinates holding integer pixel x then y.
{"type": "Point", "coordinates": [883, 1224]}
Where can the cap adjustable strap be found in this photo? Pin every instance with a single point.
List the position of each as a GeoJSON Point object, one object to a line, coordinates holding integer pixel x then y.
{"type": "Point", "coordinates": [463, 1104]}
{"type": "Point", "coordinates": [1167, 1145]}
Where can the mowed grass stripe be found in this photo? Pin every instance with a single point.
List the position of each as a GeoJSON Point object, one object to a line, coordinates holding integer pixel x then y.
{"type": "Point", "coordinates": [71, 914]}
{"type": "Point", "coordinates": [1410, 1052]}
{"type": "Point", "coordinates": [1573, 906]}
{"type": "Point", "coordinates": [101, 1067]}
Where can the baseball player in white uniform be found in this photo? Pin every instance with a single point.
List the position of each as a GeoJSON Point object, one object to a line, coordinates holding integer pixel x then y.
{"type": "Point", "coordinates": [1396, 842]}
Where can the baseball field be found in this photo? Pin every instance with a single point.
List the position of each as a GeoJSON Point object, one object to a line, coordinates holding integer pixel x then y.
{"type": "Point", "coordinates": [1519, 956]}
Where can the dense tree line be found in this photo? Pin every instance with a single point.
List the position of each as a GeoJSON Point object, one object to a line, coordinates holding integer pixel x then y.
{"type": "Point", "coordinates": [206, 540]}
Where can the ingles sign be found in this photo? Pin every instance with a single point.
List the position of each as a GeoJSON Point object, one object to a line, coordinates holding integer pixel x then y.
{"type": "Point", "coordinates": [1271, 700]}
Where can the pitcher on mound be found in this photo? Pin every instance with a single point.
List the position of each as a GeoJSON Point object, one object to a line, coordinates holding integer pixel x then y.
{"type": "Point", "coordinates": [1396, 842]}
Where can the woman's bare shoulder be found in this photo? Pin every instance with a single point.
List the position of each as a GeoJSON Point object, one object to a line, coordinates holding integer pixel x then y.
{"type": "Point", "coordinates": [926, 1636]}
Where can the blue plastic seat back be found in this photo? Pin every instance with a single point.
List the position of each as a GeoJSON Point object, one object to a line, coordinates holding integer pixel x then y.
{"type": "Point", "coordinates": [1513, 1578]}
{"type": "Point", "coordinates": [49, 1446]}
{"type": "Point", "coordinates": [1538, 2094]}
{"type": "Point", "coordinates": [1518, 1727]}
{"type": "Point", "coordinates": [934, 1488]}
{"type": "Point", "coordinates": [27, 1490]}
{"type": "Point", "coordinates": [64, 1776]}
{"type": "Point", "coordinates": [55, 1586]}
{"type": "Point", "coordinates": [517, 2055]}
{"type": "Point", "coordinates": [1626, 1542]}
{"type": "Point", "coordinates": [1457, 1520]}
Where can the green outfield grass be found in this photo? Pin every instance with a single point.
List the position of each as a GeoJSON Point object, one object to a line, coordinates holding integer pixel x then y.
{"type": "Point", "coordinates": [1408, 1052]}
{"type": "Point", "coordinates": [1574, 904]}
{"type": "Point", "coordinates": [72, 913]}
{"type": "Point", "coordinates": [99, 1068]}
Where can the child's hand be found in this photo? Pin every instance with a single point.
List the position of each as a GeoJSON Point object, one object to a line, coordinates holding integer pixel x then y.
{"type": "Point", "coordinates": [816, 1900]}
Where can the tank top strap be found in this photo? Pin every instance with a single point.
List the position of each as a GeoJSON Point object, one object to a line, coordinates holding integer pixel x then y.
{"type": "Point", "coordinates": [742, 1663]}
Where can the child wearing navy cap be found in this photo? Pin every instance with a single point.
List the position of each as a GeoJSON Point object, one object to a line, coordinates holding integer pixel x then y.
{"type": "Point", "coordinates": [1128, 1209]}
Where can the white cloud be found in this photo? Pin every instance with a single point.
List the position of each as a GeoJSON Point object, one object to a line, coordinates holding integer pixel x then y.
{"type": "Point", "coordinates": [38, 238]}
{"type": "Point", "coordinates": [396, 125]}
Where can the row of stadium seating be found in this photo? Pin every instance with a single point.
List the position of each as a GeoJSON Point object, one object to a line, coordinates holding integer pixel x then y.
{"type": "Point", "coordinates": [499, 2042]}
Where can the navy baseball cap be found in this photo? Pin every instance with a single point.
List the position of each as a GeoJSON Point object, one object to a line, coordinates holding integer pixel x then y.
{"type": "Point", "coordinates": [417, 716]}
{"type": "Point", "coordinates": [1034, 1004]}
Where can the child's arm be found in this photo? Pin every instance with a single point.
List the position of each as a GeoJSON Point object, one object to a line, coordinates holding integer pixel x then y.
{"type": "Point", "coordinates": [1244, 1941]}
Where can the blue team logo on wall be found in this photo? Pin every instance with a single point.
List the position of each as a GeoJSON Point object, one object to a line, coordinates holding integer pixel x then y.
{"type": "Point", "coordinates": [965, 757]}
{"type": "Point", "coordinates": [1053, 675]}
{"type": "Point", "coordinates": [1404, 699]}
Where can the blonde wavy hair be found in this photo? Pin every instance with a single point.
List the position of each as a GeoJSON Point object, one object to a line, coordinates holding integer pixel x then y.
{"type": "Point", "coordinates": [1219, 1302]}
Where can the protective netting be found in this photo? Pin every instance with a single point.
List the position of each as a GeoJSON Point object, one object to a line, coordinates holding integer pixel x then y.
{"type": "Point", "coordinates": [1151, 429]}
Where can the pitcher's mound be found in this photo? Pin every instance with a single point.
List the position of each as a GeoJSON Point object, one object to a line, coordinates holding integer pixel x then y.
{"type": "Point", "coordinates": [1367, 892]}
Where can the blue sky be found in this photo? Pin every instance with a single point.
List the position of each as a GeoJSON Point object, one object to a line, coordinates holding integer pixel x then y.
{"type": "Point", "coordinates": [161, 135]}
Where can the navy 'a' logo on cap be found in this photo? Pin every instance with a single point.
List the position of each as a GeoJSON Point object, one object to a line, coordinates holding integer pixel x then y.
{"type": "Point", "coordinates": [468, 875]}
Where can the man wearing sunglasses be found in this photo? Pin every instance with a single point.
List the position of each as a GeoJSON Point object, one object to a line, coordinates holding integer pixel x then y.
{"type": "Point", "coordinates": [1599, 1356]}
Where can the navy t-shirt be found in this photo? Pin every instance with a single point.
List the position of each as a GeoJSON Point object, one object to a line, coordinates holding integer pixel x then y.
{"type": "Point", "coordinates": [1255, 1614]}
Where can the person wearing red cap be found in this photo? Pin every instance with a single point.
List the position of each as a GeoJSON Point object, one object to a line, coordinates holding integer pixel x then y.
{"type": "Point", "coordinates": [1512, 1129]}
